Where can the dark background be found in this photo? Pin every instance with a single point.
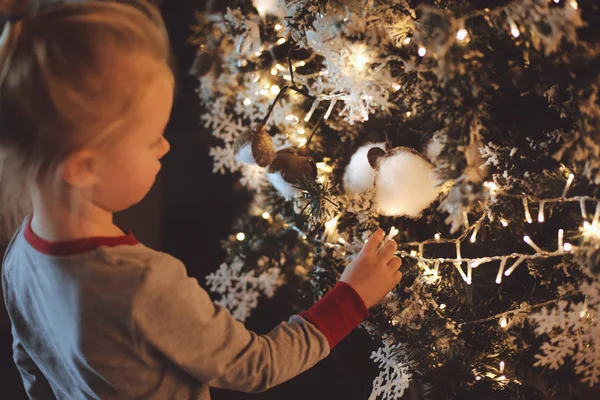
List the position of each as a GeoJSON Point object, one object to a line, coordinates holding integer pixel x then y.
{"type": "Point", "coordinates": [188, 212]}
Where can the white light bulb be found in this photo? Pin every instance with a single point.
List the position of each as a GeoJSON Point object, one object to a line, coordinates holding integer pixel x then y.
{"type": "Point", "coordinates": [422, 51]}
{"type": "Point", "coordinates": [437, 236]}
{"type": "Point", "coordinates": [331, 224]}
{"type": "Point", "coordinates": [277, 27]}
{"type": "Point", "coordinates": [561, 235]}
{"type": "Point", "coordinates": [567, 247]}
{"type": "Point", "coordinates": [573, 4]}
{"type": "Point", "coordinates": [360, 61]}
{"type": "Point", "coordinates": [491, 185]}
{"type": "Point", "coordinates": [240, 236]}
{"type": "Point", "coordinates": [275, 89]}
{"type": "Point", "coordinates": [527, 213]}
{"type": "Point", "coordinates": [406, 41]}
{"type": "Point", "coordinates": [534, 246]}
{"type": "Point", "coordinates": [462, 34]}
{"type": "Point", "coordinates": [503, 322]}
{"type": "Point", "coordinates": [473, 237]}
{"type": "Point", "coordinates": [292, 118]}
{"type": "Point", "coordinates": [514, 30]}
{"type": "Point", "coordinates": [266, 215]}
{"type": "Point", "coordinates": [504, 222]}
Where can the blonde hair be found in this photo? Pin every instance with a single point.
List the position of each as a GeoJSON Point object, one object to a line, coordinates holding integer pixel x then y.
{"type": "Point", "coordinates": [57, 70]}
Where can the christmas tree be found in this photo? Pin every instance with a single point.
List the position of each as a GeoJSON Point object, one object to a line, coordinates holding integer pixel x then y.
{"type": "Point", "coordinates": [467, 130]}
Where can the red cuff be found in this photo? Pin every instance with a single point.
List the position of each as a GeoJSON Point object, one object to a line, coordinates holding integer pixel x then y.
{"type": "Point", "coordinates": [337, 313]}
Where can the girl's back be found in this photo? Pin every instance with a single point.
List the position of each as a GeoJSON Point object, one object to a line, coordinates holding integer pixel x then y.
{"type": "Point", "coordinates": [73, 308]}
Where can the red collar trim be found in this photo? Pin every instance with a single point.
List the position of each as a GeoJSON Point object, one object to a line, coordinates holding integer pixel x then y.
{"type": "Point", "coordinates": [77, 246]}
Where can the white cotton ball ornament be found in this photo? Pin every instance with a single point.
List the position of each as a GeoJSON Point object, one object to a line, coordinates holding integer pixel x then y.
{"type": "Point", "coordinates": [359, 175]}
{"type": "Point", "coordinates": [405, 182]}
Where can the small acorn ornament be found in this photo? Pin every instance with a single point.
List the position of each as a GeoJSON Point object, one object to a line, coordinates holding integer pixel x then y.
{"type": "Point", "coordinates": [255, 147]}
{"type": "Point", "coordinates": [287, 170]}
{"type": "Point", "coordinates": [405, 181]}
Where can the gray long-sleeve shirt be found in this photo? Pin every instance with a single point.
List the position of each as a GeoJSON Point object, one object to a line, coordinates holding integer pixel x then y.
{"type": "Point", "coordinates": [108, 318]}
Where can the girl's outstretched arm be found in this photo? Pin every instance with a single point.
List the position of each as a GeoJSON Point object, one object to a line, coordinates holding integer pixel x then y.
{"type": "Point", "coordinates": [177, 317]}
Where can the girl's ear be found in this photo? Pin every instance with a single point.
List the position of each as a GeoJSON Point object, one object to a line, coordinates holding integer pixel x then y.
{"type": "Point", "coordinates": [80, 168]}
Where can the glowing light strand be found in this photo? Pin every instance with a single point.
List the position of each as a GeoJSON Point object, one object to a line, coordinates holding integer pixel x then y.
{"type": "Point", "coordinates": [508, 313]}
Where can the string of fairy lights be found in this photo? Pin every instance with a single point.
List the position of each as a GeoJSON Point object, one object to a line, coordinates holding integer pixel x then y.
{"type": "Point", "coordinates": [589, 230]}
{"type": "Point", "coordinates": [361, 60]}
{"type": "Point", "coordinates": [430, 275]}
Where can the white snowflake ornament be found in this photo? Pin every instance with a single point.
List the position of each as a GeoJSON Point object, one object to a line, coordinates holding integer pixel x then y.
{"type": "Point", "coordinates": [240, 290]}
{"type": "Point", "coordinates": [393, 378]}
{"type": "Point", "coordinates": [573, 331]}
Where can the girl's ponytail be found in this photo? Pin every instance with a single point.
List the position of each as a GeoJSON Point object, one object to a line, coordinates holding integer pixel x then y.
{"type": "Point", "coordinates": [67, 82]}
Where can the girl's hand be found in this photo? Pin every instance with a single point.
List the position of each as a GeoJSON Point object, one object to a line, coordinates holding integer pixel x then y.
{"type": "Point", "coordinates": [373, 273]}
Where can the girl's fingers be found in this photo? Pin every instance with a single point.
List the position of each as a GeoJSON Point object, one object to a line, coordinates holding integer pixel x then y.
{"type": "Point", "coordinates": [389, 249]}
{"type": "Point", "coordinates": [397, 277]}
{"type": "Point", "coordinates": [394, 263]}
{"type": "Point", "coordinates": [374, 241]}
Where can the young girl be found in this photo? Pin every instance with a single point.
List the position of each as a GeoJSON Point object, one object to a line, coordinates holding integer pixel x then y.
{"type": "Point", "coordinates": [85, 94]}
